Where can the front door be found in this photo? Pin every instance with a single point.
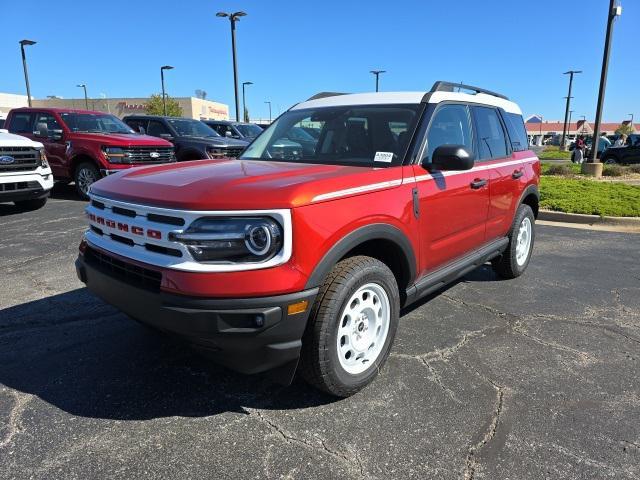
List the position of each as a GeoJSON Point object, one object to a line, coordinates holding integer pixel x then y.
{"type": "Point", "coordinates": [453, 204]}
{"type": "Point", "coordinates": [54, 143]}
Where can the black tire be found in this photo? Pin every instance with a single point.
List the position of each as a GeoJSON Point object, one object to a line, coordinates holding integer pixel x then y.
{"type": "Point", "coordinates": [320, 365]}
{"type": "Point", "coordinates": [33, 204]}
{"type": "Point", "coordinates": [85, 174]}
{"type": "Point", "coordinates": [507, 265]}
{"type": "Point", "coordinates": [609, 160]}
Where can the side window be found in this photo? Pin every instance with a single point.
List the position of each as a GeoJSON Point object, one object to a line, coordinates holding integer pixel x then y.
{"type": "Point", "coordinates": [517, 132]}
{"type": "Point", "coordinates": [49, 120]}
{"type": "Point", "coordinates": [156, 129]}
{"type": "Point", "coordinates": [136, 124]}
{"type": "Point", "coordinates": [21, 122]}
{"type": "Point", "coordinates": [491, 139]}
{"type": "Point", "coordinates": [450, 125]}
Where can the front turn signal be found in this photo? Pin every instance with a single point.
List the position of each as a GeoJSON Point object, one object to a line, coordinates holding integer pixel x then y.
{"type": "Point", "coordinates": [298, 307]}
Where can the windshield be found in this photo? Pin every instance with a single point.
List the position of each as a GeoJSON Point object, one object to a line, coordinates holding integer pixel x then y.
{"type": "Point", "coordinates": [248, 129]}
{"type": "Point", "coordinates": [95, 123]}
{"type": "Point", "coordinates": [192, 128]}
{"type": "Point", "coordinates": [367, 135]}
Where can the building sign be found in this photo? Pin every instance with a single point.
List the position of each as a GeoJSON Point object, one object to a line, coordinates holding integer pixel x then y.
{"type": "Point", "coordinates": [122, 106]}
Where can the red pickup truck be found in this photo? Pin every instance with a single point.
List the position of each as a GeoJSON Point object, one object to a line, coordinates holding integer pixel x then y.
{"type": "Point", "coordinates": [306, 256]}
{"type": "Point", "coordinates": [83, 146]}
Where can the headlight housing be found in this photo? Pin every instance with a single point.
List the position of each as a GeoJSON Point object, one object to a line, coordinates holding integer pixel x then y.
{"type": "Point", "coordinates": [115, 155]}
{"type": "Point", "coordinates": [42, 161]}
{"type": "Point", "coordinates": [228, 240]}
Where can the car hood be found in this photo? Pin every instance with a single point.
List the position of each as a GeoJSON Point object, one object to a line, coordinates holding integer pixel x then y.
{"type": "Point", "coordinates": [220, 141]}
{"type": "Point", "coordinates": [241, 184]}
{"type": "Point", "coordinates": [11, 140]}
{"type": "Point", "coordinates": [121, 139]}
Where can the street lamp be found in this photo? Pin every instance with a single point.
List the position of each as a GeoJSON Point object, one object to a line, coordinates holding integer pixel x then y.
{"type": "Point", "coordinates": [614, 12]}
{"type": "Point", "coordinates": [269, 103]}
{"type": "Point", "coordinates": [631, 115]}
{"type": "Point", "coordinates": [86, 102]}
{"type": "Point", "coordinates": [164, 96]}
{"type": "Point", "coordinates": [24, 66]}
{"type": "Point", "coordinates": [244, 103]}
{"type": "Point", "coordinates": [377, 74]}
{"type": "Point", "coordinates": [233, 18]}
{"type": "Point", "coordinates": [566, 111]}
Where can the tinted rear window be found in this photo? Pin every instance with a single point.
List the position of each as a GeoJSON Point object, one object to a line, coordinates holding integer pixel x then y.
{"type": "Point", "coordinates": [517, 132]}
{"type": "Point", "coordinates": [21, 122]}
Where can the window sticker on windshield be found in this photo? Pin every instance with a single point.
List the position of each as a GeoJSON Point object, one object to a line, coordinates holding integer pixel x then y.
{"type": "Point", "coordinates": [386, 157]}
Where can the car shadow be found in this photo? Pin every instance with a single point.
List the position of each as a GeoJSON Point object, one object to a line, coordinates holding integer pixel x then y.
{"type": "Point", "coordinates": [84, 357]}
{"type": "Point", "coordinates": [65, 191]}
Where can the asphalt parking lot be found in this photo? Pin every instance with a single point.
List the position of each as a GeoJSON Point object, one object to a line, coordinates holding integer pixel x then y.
{"type": "Point", "coordinates": [532, 378]}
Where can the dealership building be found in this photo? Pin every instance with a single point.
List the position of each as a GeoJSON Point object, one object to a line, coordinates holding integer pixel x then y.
{"type": "Point", "coordinates": [192, 107]}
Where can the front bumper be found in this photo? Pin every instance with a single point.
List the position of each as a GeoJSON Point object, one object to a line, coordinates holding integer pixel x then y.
{"type": "Point", "coordinates": [249, 335]}
{"type": "Point", "coordinates": [25, 186]}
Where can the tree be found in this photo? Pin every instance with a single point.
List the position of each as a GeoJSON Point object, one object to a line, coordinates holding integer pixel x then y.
{"type": "Point", "coordinates": [625, 128]}
{"type": "Point", "coordinates": [154, 106]}
{"type": "Point", "coordinates": [246, 115]}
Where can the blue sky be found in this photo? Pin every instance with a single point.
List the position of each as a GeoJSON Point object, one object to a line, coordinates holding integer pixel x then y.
{"type": "Point", "coordinates": [293, 49]}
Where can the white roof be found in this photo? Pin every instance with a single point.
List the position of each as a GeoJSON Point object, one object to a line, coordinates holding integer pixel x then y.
{"type": "Point", "coordinates": [386, 98]}
{"type": "Point", "coordinates": [11, 140]}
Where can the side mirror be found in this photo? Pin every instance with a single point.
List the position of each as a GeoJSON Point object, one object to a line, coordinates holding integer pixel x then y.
{"type": "Point", "coordinates": [450, 157]}
{"type": "Point", "coordinates": [42, 130]}
{"type": "Point", "coordinates": [167, 136]}
{"type": "Point", "coordinates": [57, 134]}
{"type": "Point", "coordinates": [228, 134]}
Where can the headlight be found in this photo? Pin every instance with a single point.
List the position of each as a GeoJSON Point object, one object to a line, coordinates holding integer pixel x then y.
{"type": "Point", "coordinates": [232, 239]}
{"type": "Point", "coordinates": [42, 162]}
{"type": "Point", "coordinates": [115, 155]}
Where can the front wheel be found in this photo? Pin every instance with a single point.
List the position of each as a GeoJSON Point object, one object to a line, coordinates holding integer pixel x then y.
{"type": "Point", "coordinates": [352, 326]}
{"type": "Point", "coordinates": [85, 175]}
{"type": "Point", "coordinates": [515, 259]}
{"type": "Point", "coordinates": [609, 161]}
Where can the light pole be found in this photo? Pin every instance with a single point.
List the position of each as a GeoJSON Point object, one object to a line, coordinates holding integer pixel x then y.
{"type": "Point", "coordinates": [24, 66]}
{"type": "Point", "coordinates": [631, 115]}
{"type": "Point", "coordinates": [244, 104]}
{"type": "Point", "coordinates": [569, 124]}
{"type": "Point", "coordinates": [377, 74]}
{"type": "Point", "coordinates": [164, 96]}
{"type": "Point", "coordinates": [86, 101]}
{"type": "Point", "coordinates": [566, 111]}
{"type": "Point", "coordinates": [269, 103]}
{"type": "Point", "coordinates": [589, 168]}
{"type": "Point", "coordinates": [233, 18]}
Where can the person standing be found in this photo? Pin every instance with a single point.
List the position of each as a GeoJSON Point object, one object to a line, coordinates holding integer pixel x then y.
{"type": "Point", "coordinates": [603, 144]}
{"type": "Point", "coordinates": [578, 151]}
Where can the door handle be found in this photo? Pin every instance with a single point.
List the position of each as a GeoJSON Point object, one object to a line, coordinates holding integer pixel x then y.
{"type": "Point", "coordinates": [517, 174]}
{"type": "Point", "coordinates": [478, 183]}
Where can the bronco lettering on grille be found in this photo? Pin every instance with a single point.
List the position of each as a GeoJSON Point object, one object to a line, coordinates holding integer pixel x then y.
{"type": "Point", "coordinates": [124, 227]}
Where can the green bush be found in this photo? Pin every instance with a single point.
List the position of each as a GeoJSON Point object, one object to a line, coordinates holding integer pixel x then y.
{"type": "Point", "coordinates": [634, 168]}
{"type": "Point", "coordinates": [613, 171]}
{"type": "Point", "coordinates": [573, 195]}
{"type": "Point", "coordinates": [554, 153]}
{"type": "Point", "coordinates": [560, 168]}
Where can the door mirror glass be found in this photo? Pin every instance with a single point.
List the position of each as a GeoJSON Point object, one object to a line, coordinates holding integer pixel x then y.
{"type": "Point", "coordinates": [451, 157]}
{"type": "Point", "coordinates": [228, 134]}
{"type": "Point", "coordinates": [42, 130]}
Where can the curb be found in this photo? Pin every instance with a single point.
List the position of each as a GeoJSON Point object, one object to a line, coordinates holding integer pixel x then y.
{"type": "Point", "coordinates": [551, 216]}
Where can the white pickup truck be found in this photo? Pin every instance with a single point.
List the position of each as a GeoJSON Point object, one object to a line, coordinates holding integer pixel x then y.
{"type": "Point", "coordinates": [25, 175]}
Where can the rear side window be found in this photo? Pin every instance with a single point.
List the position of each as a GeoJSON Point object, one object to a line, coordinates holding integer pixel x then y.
{"type": "Point", "coordinates": [492, 142]}
{"type": "Point", "coordinates": [21, 122]}
{"type": "Point", "coordinates": [517, 132]}
{"type": "Point", "coordinates": [136, 124]}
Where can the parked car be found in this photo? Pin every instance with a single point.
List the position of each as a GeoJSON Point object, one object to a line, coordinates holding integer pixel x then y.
{"type": "Point", "coordinates": [269, 263]}
{"type": "Point", "coordinates": [84, 146]}
{"type": "Point", "coordinates": [2, 120]}
{"type": "Point", "coordinates": [192, 139]}
{"type": "Point", "coordinates": [25, 175]}
{"type": "Point", "coordinates": [627, 154]}
{"type": "Point", "coordinates": [239, 130]}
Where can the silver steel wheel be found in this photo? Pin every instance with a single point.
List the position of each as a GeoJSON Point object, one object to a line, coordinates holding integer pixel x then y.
{"type": "Point", "coordinates": [84, 179]}
{"type": "Point", "coordinates": [523, 240]}
{"type": "Point", "coordinates": [363, 328]}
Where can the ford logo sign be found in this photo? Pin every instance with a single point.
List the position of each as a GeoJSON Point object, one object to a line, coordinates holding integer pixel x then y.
{"type": "Point", "coordinates": [154, 155]}
{"type": "Point", "coordinates": [6, 160]}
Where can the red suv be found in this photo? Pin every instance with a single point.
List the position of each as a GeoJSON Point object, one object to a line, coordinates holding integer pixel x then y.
{"type": "Point", "coordinates": [83, 146]}
{"type": "Point", "coordinates": [267, 262]}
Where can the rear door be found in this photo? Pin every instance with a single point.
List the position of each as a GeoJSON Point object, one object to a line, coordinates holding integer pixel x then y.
{"type": "Point", "coordinates": [505, 172]}
{"type": "Point", "coordinates": [21, 123]}
{"type": "Point", "coordinates": [453, 205]}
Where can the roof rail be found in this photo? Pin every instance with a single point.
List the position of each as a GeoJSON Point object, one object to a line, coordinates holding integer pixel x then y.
{"type": "Point", "coordinates": [324, 95]}
{"type": "Point", "coordinates": [441, 86]}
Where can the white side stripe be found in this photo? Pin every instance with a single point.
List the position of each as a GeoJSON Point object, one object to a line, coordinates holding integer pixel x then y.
{"type": "Point", "coordinates": [419, 178]}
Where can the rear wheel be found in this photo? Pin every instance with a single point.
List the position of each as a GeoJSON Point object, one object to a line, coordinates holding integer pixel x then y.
{"type": "Point", "coordinates": [515, 259]}
{"type": "Point", "coordinates": [33, 204]}
{"type": "Point", "coordinates": [609, 160]}
{"type": "Point", "coordinates": [352, 326]}
{"type": "Point", "coordinates": [85, 175]}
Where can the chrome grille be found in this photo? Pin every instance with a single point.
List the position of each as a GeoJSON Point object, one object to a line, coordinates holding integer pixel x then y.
{"type": "Point", "coordinates": [143, 154]}
{"type": "Point", "coordinates": [26, 158]}
{"type": "Point", "coordinates": [225, 152]}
